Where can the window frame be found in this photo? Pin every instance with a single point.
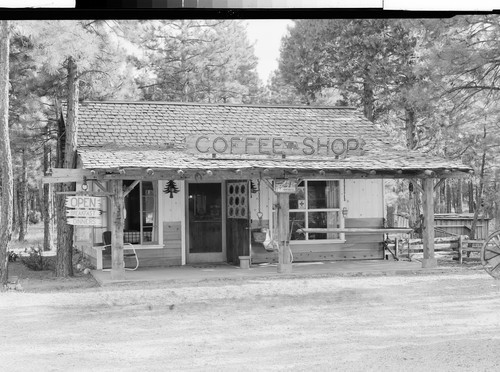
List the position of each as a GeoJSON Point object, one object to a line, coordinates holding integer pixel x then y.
{"type": "Point", "coordinates": [155, 226]}
{"type": "Point", "coordinates": [306, 211]}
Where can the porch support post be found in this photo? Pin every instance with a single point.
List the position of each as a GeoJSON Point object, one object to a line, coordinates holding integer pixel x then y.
{"type": "Point", "coordinates": [117, 224]}
{"type": "Point", "coordinates": [429, 260]}
{"type": "Point", "coordinates": [284, 259]}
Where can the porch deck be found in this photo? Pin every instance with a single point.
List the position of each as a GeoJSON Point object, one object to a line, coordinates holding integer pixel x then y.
{"type": "Point", "coordinates": [214, 272]}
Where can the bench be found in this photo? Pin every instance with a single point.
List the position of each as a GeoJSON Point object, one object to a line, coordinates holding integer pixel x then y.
{"type": "Point", "coordinates": [358, 230]}
{"type": "Point", "coordinates": [364, 230]}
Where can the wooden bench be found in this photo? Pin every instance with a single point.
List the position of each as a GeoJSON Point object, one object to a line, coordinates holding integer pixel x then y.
{"type": "Point", "coordinates": [365, 230]}
{"type": "Point", "coordinates": [358, 230]}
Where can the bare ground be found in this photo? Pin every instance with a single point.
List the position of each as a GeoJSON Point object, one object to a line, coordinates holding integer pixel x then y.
{"type": "Point", "coordinates": [401, 323]}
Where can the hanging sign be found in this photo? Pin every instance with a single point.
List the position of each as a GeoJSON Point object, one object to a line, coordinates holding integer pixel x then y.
{"type": "Point", "coordinates": [83, 210]}
{"type": "Point", "coordinates": [85, 221]}
{"type": "Point", "coordinates": [275, 146]}
{"type": "Point", "coordinates": [285, 186]}
{"type": "Point", "coordinates": [83, 202]}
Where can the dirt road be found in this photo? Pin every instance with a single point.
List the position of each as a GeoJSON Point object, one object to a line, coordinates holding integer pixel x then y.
{"type": "Point", "coordinates": [403, 323]}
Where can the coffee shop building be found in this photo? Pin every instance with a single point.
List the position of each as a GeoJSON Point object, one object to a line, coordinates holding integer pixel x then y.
{"type": "Point", "coordinates": [187, 184]}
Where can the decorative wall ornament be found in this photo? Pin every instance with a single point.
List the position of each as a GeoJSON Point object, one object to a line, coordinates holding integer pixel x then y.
{"type": "Point", "coordinates": [171, 188]}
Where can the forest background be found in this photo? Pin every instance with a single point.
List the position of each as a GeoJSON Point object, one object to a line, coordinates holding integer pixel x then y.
{"type": "Point", "coordinates": [433, 84]}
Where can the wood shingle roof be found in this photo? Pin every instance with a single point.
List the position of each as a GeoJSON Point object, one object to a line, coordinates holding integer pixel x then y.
{"type": "Point", "coordinates": [153, 135]}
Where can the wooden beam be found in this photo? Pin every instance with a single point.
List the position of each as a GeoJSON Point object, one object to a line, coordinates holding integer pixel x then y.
{"type": "Point", "coordinates": [284, 259]}
{"type": "Point", "coordinates": [89, 193]}
{"type": "Point", "coordinates": [269, 185]}
{"type": "Point", "coordinates": [358, 230]}
{"type": "Point", "coordinates": [117, 225]}
{"type": "Point", "coordinates": [131, 187]}
{"type": "Point", "coordinates": [416, 186]}
{"type": "Point", "coordinates": [76, 175]}
{"type": "Point", "coordinates": [439, 183]}
{"type": "Point", "coordinates": [429, 259]}
{"type": "Point", "coordinates": [100, 185]}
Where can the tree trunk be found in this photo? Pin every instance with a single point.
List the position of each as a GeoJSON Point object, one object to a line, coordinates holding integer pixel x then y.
{"type": "Point", "coordinates": [15, 208]}
{"type": "Point", "coordinates": [390, 216]}
{"type": "Point", "coordinates": [497, 200]}
{"type": "Point", "coordinates": [458, 197]}
{"type": "Point", "coordinates": [449, 196]}
{"type": "Point", "coordinates": [48, 224]}
{"type": "Point", "coordinates": [414, 220]}
{"type": "Point", "coordinates": [479, 193]}
{"type": "Point", "coordinates": [64, 261]}
{"type": "Point", "coordinates": [22, 196]}
{"type": "Point", "coordinates": [410, 126]}
{"type": "Point", "coordinates": [471, 196]}
{"type": "Point", "coordinates": [5, 155]}
{"type": "Point", "coordinates": [368, 100]}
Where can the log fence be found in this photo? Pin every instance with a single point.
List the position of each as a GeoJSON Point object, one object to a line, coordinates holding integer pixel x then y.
{"type": "Point", "coordinates": [459, 247]}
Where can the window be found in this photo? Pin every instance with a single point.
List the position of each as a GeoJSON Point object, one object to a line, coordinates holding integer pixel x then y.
{"type": "Point", "coordinates": [316, 205]}
{"type": "Point", "coordinates": [141, 222]}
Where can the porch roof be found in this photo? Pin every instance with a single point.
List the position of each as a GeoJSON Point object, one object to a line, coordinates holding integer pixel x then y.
{"type": "Point", "coordinates": [152, 135]}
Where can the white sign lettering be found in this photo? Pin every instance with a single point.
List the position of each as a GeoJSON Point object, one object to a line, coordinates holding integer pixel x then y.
{"type": "Point", "coordinates": [83, 202]}
{"type": "Point", "coordinates": [83, 212]}
{"type": "Point", "coordinates": [85, 221]}
{"type": "Point", "coordinates": [285, 186]}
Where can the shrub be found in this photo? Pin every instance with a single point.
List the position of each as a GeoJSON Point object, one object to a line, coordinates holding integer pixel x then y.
{"type": "Point", "coordinates": [34, 217]}
{"type": "Point", "coordinates": [35, 261]}
{"type": "Point", "coordinates": [13, 256]}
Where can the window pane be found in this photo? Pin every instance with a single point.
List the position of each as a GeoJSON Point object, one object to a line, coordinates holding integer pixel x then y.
{"type": "Point", "coordinates": [322, 220]}
{"type": "Point", "coordinates": [297, 200]}
{"type": "Point", "coordinates": [297, 221]}
{"type": "Point", "coordinates": [332, 194]}
{"type": "Point", "coordinates": [148, 211]}
{"type": "Point", "coordinates": [316, 194]}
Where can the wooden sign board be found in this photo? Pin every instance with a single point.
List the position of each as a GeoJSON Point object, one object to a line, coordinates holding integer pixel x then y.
{"type": "Point", "coordinates": [83, 212]}
{"type": "Point", "coordinates": [85, 221]}
{"type": "Point", "coordinates": [81, 202]}
{"type": "Point", "coordinates": [285, 186]}
{"type": "Point", "coordinates": [275, 146]}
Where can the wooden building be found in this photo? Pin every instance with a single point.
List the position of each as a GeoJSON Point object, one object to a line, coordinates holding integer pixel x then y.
{"type": "Point", "coordinates": [192, 183]}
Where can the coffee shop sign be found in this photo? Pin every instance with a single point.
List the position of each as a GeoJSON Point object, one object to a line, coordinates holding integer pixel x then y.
{"type": "Point", "coordinates": [275, 146]}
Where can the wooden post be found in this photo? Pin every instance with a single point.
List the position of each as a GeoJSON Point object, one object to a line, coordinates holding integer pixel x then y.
{"type": "Point", "coordinates": [117, 224]}
{"type": "Point", "coordinates": [429, 260]}
{"type": "Point", "coordinates": [284, 259]}
{"type": "Point", "coordinates": [460, 247]}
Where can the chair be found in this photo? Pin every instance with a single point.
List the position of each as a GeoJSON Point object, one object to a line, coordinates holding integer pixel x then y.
{"type": "Point", "coordinates": [128, 249]}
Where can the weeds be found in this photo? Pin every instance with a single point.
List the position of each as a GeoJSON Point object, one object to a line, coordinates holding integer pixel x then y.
{"type": "Point", "coordinates": [35, 261]}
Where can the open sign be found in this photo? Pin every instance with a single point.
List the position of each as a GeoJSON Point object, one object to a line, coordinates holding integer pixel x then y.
{"type": "Point", "coordinates": [83, 202]}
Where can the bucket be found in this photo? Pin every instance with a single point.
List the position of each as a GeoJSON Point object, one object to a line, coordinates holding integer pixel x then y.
{"type": "Point", "coordinates": [244, 262]}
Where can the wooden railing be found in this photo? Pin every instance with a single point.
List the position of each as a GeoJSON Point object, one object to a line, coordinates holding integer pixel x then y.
{"type": "Point", "coordinates": [458, 246]}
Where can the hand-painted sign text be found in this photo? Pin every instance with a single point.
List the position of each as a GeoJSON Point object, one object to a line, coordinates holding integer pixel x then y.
{"type": "Point", "coordinates": [261, 145]}
{"type": "Point", "coordinates": [85, 210]}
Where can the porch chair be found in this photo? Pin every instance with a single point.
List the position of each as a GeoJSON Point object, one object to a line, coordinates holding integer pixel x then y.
{"type": "Point", "coordinates": [128, 250]}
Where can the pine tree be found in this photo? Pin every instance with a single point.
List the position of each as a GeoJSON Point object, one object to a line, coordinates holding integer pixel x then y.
{"type": "Point", "coordinates": [5, 153]}
{"type": "Point", "coordinates": [171, 188]}
{"type": "Point", "coordinates": [197, 61]}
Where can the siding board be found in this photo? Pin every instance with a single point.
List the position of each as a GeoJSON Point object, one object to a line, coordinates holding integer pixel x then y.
{"type": "Point", "coordinates": [356, 247]}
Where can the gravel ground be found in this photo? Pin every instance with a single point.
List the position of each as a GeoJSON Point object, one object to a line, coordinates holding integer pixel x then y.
{"type": "Point", "coordinates": [445, 322]}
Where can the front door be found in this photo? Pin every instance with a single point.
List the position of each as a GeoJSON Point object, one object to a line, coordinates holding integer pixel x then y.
{"type": "Point", "coordinates": [238, 220]}
{"type": "Point", "coordinates": [205, 223]}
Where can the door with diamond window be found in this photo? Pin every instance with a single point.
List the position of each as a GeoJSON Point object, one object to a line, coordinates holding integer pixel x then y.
{"type": "Point", "coordinates": [237, 220]}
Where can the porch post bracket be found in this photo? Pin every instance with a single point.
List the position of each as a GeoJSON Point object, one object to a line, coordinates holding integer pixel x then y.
{"type": "Point", "coordinates": [416, 185]}
{"type": "Point", "coordinates": [439, 183]}
{"type": "Point", "coordinates": [269, 185]}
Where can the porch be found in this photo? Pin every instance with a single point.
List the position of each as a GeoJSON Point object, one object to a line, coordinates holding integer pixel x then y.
{"type": "Point", "coordinates": [221, 272]}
